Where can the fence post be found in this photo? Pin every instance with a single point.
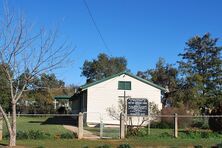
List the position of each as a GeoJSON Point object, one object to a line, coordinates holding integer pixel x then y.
{"type": "Point", "coordinates": [80, 126]}
{"type": "Point", "coordinates": [175, 125]}
{"type": "Point", "coordinates": [122, 127]}
{"type": "Point", "coordinates": [101, 129]}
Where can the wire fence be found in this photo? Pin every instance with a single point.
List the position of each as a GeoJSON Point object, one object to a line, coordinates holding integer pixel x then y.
{"type": "Point", "coordinates": [183, 126]}
{"type": "Point", "coordinates": [97, 129]}
{"type": "Point", "coordinates": [65, 126]}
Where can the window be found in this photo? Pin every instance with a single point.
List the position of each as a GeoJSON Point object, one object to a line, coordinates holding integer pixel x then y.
{"type": "Point", "coordinates": [124, 85]}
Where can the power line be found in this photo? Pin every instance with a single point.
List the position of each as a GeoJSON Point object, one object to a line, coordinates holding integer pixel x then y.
{"type": "Point", "coordinates": [96, 26]}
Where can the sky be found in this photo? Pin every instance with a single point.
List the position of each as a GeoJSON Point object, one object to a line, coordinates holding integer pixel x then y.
{"type": "Point", "coordinates": [139, 30]}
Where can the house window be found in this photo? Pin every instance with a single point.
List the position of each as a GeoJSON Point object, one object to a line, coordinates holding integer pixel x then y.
{"type": "Point", "coordinates": [124, 85]}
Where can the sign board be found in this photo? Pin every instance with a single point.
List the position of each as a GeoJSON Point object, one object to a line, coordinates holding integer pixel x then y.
{"type": "Point", "coordinates": [137, 107]}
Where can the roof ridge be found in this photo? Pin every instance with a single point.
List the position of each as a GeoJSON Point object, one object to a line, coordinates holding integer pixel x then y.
{"type": "Point", "coordinates": [85, 86]}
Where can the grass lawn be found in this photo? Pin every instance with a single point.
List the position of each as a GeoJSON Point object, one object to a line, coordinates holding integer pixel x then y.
{"type": "Point", "coordinates": [134, 142]}
{"type": "Point", "coordinates": [38, 123]}
{"type": "Point", "coordinates": [107, 131]}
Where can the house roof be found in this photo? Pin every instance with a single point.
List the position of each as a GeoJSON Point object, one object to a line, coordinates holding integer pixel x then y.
{"type": "Point", "coordinates": [118, 74]}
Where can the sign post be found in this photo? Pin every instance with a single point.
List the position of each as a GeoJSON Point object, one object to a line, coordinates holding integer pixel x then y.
{"type": "Point", "coordinates": [137, 107]}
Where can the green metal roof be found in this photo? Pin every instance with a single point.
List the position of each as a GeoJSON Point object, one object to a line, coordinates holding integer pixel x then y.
{"type": "Point", "coordinates": [62, 97]}
{"type": "Point", "coordinates": [121, 73]}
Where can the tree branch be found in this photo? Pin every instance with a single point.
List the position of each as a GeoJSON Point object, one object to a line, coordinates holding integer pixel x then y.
{"type": "Point", "coordinates": [6, 119]}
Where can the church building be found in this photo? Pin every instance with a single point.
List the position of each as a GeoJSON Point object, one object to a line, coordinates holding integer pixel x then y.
{"type": "Point", "coordinates": [95, 99]}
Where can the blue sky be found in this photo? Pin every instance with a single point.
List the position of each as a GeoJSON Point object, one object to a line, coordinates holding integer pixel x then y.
{"type": "Point", "coordinates": [140, 30]}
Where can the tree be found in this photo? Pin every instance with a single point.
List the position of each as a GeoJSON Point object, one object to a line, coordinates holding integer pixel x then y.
{"type": "Point", "coordinates": [114, 113]}
{"type": "Point", "coordinates": [102, 67]}
{"type": "Point", "coordinates": [4, 94]}
{"type": "Point", "coordinates": [201, 68]}
{"type": "Point", "coordinates": [164, 75]}
{"type": "Point", "coordinates": [50, 81]}
{"type": "Point", "coordinates": [23, 51]}
{"type": "Point", "coordinates": [41, 93]}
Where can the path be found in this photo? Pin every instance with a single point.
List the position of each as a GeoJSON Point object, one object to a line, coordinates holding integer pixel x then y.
{"type": "Point", "coordinates": [87, 134]}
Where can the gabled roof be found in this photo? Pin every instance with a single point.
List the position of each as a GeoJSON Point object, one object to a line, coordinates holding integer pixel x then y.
{"type": "Point", "coordinates": [118, 74]}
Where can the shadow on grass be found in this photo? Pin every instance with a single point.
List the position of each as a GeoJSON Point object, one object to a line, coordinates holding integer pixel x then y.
{"type": "Point", "coordinates": [36, 121]}
{"type": "Point", "coordinates": [57, 120]}
{"type": "Point", "coordinates": [3, 144]}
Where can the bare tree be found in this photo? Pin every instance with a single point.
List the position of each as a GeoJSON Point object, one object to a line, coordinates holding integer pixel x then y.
{"type": "Point", "coordinates": [24, 49]}
{"type": "Point", "coordinates": [114, 113]}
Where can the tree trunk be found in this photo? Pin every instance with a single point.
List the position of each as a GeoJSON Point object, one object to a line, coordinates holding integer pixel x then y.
{"type": "Point", "coordinates": [12, 141]}
{"type": "Point", "coordinates": [8, 125]}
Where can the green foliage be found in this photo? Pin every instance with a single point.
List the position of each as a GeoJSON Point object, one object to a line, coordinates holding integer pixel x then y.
{"type": "Point", "coordinates": [201, 123]}
{"type": "Point", "coordinates": [198, 146]}
{"type": "Point", "coordinates": [165, 135]}
{"type": "Point", "coordinates": [164, 75]}
{"type": "Point", "coordinates": [67, 136]}
{"type": "Point", "coordinates": [22, 135]}
{"type": "Point", "coordinates": [42, 91]}
{"type": "Point", "coordinates": [41, 146]}
{"type": "Point", "coordinates": [31, 134]}
{"type": "Point", "coordinates": [131, 131]}
{"type": "Point", "coordinates": [197, 134]}
{"type": "Point", "coordinates": [50, 81]}
{"type": "Point", "coordinates": [136, 131]}
{"type": "Point", "coordinates": [125, 145]}
{"type": "Point", "coordinates": [201, 69]}
{"type": "Point", "coordinates": [102, 67]}
{"type": "Point", "coordinates": [4, 90]}
{"type": "Point", "coordinates": [215, 123]}
{"type": "Point", "coordinates": [161, 125]}
{"type": "Point", "coordinates": [219, 145]}
{"type": "Point", "coordinates": [197, 83]}
{"type": "Point", "coordinates": [104, 146]}
{"type": "Point", "coordinates": [36, 134]}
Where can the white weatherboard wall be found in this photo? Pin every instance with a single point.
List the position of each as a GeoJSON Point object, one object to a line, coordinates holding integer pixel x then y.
{"type": "Point", "coordinates": [106, 94]}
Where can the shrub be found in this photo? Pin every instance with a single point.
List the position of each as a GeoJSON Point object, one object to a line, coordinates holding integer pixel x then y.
{"type": "Point", "coordinates": [22, 135]}
{"type": "Point", "coordinates": [36, 134]}
{"type": "Point", "coordinates": [219, 145]}
{"type": "Point", "coordinates": [198, 146]}
{"type": "Point", "coordinates": [40, 146]}
{"type": "Point", "coordinates": [182, 122]}
{"type": "Point", "coordinates": [162, 125]}
{"type": "Point", "coordinates": [125, 145]}
{"type": "Point", "coordinates": [104, 146]}
{"type": "Point", "coordinates": [215, 123]}
{"type": "Point", "coordinates": [194, 134]}
{"type": "Point", "coordinates": [31, 134]}
{"type": "Point", "coordinates": [142, 132]}
{"type": "Point", "coordinates": [205, 135]}
{"type": "Point", "coordinates": [131, 131]}
{"type": "Point", "coordinates": [165, 135]}
{"type": "Point", "coordinates": [200, 123]}
{"type": "Point", "coordinates": [85, 146]}
{"type": "Point", "coordinates": [67, 136]}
